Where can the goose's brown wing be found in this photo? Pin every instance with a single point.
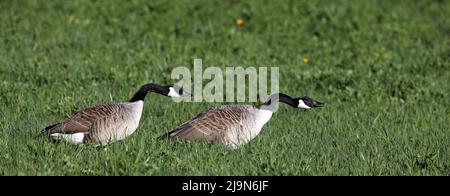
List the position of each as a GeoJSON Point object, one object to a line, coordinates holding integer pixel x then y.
{"type": "Point", "coordinates": [210, 125]}
{"type": "Point", "coordinates": [82, 121]}
{"type": "Point", "coordinates": [107, 129]}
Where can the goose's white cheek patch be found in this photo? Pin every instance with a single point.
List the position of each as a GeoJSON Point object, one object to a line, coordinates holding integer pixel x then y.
{"type": "Point", "coordinates": [302, 104]}
{"type": "Point", "coordinates": [173, 93]}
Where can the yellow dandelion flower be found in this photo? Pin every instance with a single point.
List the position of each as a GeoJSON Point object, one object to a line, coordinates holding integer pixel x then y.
{"type": "Point", "coordinates": [305, 60]}
{"type": "Point", "coordinates": [239, 22]}
{"type": "Point", "coordinates": [71, 19]}
{"type": "Point", "coordinates": [377, 55]}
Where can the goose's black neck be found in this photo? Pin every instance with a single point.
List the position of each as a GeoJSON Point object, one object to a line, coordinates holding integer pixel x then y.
{"type": "Point", "coordinates": [276, 98]}
{"type": "Point", "coordinates": [144, 90]}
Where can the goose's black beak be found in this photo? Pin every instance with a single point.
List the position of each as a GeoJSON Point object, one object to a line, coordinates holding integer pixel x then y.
{"type": "Point", "coordinates": [316, 104]}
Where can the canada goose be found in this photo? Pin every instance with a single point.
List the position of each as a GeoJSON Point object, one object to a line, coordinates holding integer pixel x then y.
{"type": "Point", "coordinates": [235, 125]}
{"type": "Point", "coordinates": [107, 123]}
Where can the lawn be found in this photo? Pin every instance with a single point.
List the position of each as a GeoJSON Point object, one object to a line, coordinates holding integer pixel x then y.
{"type": "Point", "coordinates": [381, 67]}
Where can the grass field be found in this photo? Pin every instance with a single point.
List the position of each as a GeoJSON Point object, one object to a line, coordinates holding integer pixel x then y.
{"type": "Point", "coordinates": [381, 67]}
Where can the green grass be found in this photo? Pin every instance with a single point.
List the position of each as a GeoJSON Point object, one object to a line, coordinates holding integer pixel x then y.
{"type": "Point", "coordinates": [381, 67]}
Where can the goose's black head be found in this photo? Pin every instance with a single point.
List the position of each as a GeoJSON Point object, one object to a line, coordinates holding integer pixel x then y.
{"type": "Point", "coordinates": [307, 103]}
{"type": "Point", "coordinates": [300, 102]}
{"type": "Point", "coordinates": [166, 90]}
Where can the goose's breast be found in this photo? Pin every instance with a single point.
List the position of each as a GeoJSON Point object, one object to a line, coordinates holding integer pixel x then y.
{"type": "Point", "coordinates": [260, 118]}
{"type": "Point", "coordinates": [248, 128]}
{"type": "Point", "coordinates": [133, 117]}
{"type": "Point", "coordinates": [121, 125]}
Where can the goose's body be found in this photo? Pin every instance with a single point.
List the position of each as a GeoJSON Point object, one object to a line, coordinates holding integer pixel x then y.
{"type": "Point", "coordinates": [232, 125]}
{"type": "Point", "coordinates": [106, 123]}
{"type": "Point", "coordinates": [101, 125]}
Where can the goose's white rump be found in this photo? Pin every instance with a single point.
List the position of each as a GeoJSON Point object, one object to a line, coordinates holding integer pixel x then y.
{"type": "Point", "coordinates": [75, 138]}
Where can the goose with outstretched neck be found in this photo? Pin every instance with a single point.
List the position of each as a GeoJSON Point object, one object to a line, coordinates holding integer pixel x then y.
{"type": "Point", "coordinates": [236, 125]}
